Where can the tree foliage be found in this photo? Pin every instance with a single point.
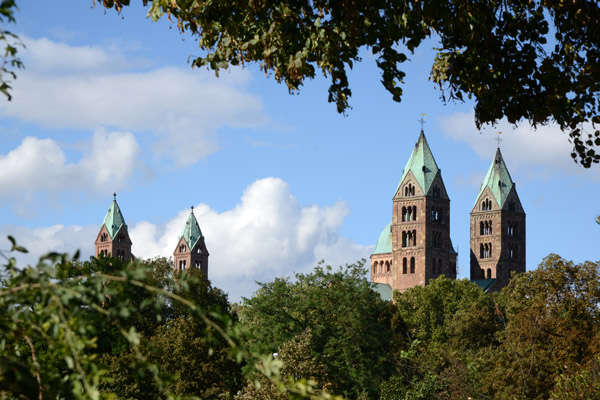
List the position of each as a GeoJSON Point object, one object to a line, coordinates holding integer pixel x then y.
{"type": "Point", "coordinates": [349, 325]}
{"type": "Point", "coordinates": [552, 331]}
{"type": "Point", "coordinates": [523, 60]}
{"type": "Point", "coordinates": [10, 42]}
{"type": "Point", "coordinates": [105, 329]}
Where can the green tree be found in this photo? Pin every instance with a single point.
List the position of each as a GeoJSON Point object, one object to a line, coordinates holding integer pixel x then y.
{"type": "Point", "coordinates": [552, 318]}
{"type": "Point", "coordinates": [523, 60]}
{"type": "Point", "coordinates": [448, 325]}
{"type": "Point", "coordinates": [191, 360]}
{"type": "Point", "coordinates": [348, 321]}
{"type": "Point", "coordinates": [296, 362]}
{"type": "Point", "coordinates": [9, 61]}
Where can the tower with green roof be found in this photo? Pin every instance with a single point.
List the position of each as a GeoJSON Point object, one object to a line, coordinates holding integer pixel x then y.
{"type": "Point", "coordinates": [113, 238]}
{"type": "Point", "coordinates": [191, 251]}
{"type": "Point", "coordinates": [415, 246]}
{"type": "Point", "coordinates": [497, 228]}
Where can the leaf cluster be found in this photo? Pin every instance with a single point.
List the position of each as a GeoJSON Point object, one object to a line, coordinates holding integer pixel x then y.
{"type": "Point", "coordinates": [523, 60]}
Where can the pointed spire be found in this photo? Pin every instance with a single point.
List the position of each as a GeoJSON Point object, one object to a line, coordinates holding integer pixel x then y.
{"type": "Point", "coordinates": [191, 232]}
{"type": "Point", "coordinates": [422, 164]}
{"type": "Point", "coordinates": [114, 219]}
{"type": "Point", "coordinates": [498, 180]}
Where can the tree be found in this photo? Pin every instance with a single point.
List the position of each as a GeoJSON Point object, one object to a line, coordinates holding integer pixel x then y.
{"type": "Point", "coordinates": [348, 321]}
{"type": "Point", "coordinates": [551, 341]}
{"type": "Point", "coordinates": [523, 60]}
{"type": "Point", "coordinates": [11, 43]}
{"type": "Point", "coordinates": [448, 326]}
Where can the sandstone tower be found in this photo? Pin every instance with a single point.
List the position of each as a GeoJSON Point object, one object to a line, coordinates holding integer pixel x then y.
{"type": "Point", "coordinates": [497, 228]}
{"type": "Point", "coordinates": [191, 251]}
{"type": "Point", "coordinates": [416, 247]}
{"type": "Point", "coordinates": [113, 239]}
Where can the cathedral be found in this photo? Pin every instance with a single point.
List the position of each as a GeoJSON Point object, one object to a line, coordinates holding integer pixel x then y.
{"type": "Point", "coordinates": [415, 246]}
{"type": "Point", "coordinates": [113, 240]}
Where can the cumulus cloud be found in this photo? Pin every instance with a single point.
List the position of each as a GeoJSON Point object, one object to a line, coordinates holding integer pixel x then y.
{"type": "Point", "coordinates": [546, 147]}
{"type": "Point", "coordinates": [40, 165]}
{"type": "Point", "coordinates": [91, 86]}
{"type": "Point", "coordinates": [57, 238]}
{"type": "Point", "coordinates": [267, 234]}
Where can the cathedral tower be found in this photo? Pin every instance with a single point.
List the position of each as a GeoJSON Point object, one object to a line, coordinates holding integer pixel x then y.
{"type": "Point", "coordinates": [191, 249]}
{"type": "Point", "coordinates": [113, 238]}
{"type": "Point", "coordinates": [416, 247]}
{"type": "Point", "coordinates": [497, 228]}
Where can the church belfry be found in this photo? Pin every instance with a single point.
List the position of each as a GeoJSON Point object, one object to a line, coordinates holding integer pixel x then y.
{"type": "Point", "coordinates": [191, 251]}
{"type": "Point", "coordinates": [497, 228]}
{"type": "Point", "coordinates": [113, 238]}
{"type": "Point", "coordinates": [416, 247]}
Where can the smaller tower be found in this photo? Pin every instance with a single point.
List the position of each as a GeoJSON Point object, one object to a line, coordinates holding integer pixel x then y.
{"type": "Point", "coordinates": [497, 228]}
{"type": "Point", "coordinates": [191, 251]}
{"type": "Point", "coordinates": [113, 238]}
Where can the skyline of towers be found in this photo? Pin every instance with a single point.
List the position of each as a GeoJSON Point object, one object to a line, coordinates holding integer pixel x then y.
{"type": "Point", "coordinates": [416, 245]}
{"type": "Point", "coordinates": [113, 240]}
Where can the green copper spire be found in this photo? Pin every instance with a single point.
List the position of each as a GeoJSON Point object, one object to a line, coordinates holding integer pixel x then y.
{"type": "Point", "coordinates": [422, 164]}
{"type": "Point", "coordinates": [191, 231]}
{"type": "Point", "coordinates": [498, 180]}
{"type": "Point", "coordinates": [114, 218]}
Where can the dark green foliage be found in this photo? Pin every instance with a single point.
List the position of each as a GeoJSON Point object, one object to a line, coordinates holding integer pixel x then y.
{"type": "Point", "coordinates": [520, 60]}
{"type": "Point", "coordinates": [349, 325]}
{"type": "Point", "coordinates": [447, 326]}
{"type": "Point", "coordinates": [552, 330]}
{"type": "Point", "coordinates": [11, 43]}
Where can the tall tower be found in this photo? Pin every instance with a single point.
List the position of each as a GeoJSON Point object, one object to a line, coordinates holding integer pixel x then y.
{"type": "Point", "coordinates": [418, 237]}
{"type": "Point", "coordinates": [113, 238]}
{"type": "Point", "coordinates": [497, 227]}
{"type": "Point", "coordinates": [191, 251]}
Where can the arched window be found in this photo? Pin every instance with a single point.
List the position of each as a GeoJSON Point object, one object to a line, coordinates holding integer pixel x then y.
{"type": "Point", "coordinates": [387, 266]}
{"type": "Point", "coordinates": [414, 208]}
{"type": "Point", "coordinates": [489, 273]}
{"type": "Point", "coordinates": [404, 239]}
{"type": "Point", "coordinates": [481, 231]}
{"type": "Point", "coordinates": [403, 214]}
{"type": "Point", "coordinates": [374, 267]}
{"type": "Point", "coordinates": [481, 252]}
{"type": "Point", "coordinates": [404, 266]}
{"type": "Point", "coordinates": [103, 237]}
{"type": "Point", "coordinates": [182, 248]}
{"type": "Point", "coordinates": [490, 228]}
{"type": "Point", "coordinates": [410, 216]}
{"type": "Point", "coordinates": [414, 237]}
{"type": "Point", "coordinates": [198, 264]}
{"type": "Point", "coordinates": [412, 265]}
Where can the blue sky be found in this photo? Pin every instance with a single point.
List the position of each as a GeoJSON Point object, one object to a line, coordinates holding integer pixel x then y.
{"type": "Point", "coordinates": [109, 103]}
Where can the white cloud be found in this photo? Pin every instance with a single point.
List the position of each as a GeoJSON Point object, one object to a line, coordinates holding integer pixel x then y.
{"type": "Point", "coordinates": [90, 87]}
{"type": "Point", "coordinates": [267, 234]}
{"type": "Point", "coordinates": [546, 147]}
{"type": "Point", "coordinates": [39, 241]}
{"type": "Point", "coordinates": [40, 165]}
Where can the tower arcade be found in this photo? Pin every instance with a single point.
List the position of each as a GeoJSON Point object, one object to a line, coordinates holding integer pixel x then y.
{"type": "Point", "coordinates": [497, 227]}
{"type": "Point", "coordinates": [113, 238]}
{"type": "Point", "coordinates": [416, 246]}
{"type": "Point", "coordinates": [191, 251]}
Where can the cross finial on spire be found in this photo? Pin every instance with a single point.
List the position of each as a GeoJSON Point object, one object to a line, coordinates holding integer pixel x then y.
{"type": "Point", "coordinates": [498, 138]}
{"type": "Point", "coordinates": [422, 121]}
{"type": "Point", "coordinates": [115, 196]}
{"type": "Point", "coordinates": [192, 209]}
